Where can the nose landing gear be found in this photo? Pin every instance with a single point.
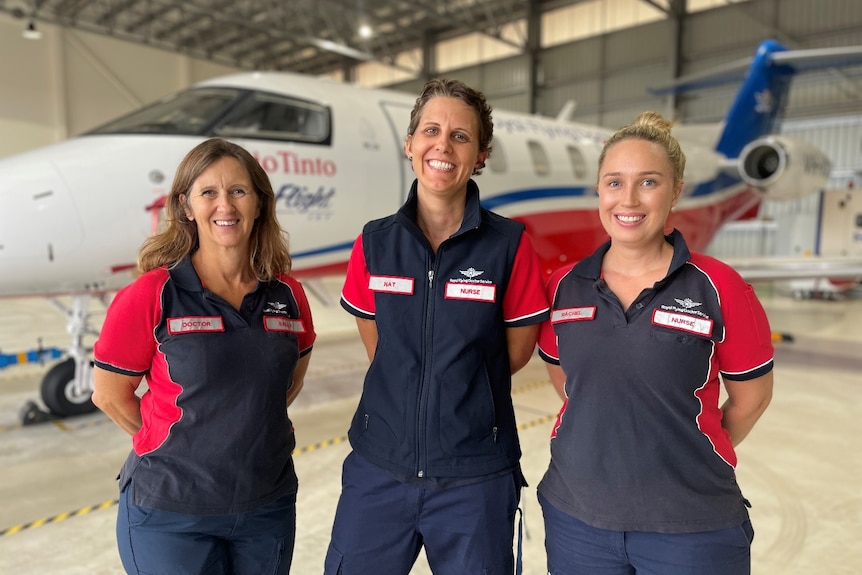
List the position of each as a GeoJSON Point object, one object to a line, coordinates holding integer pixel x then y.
{"type": "Point", "coordinates": [67, 388]}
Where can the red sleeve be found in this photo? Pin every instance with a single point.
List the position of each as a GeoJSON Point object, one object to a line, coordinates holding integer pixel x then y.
{"type": "Point", "coordinates": [126, 341]}
{"type": "Point", "coordinates": [547, 338]}
{"type": "Point", "coordinates": [307, 336]}
{"type": "Point", "coordinates": [356, 298]}
{"type": "Point", "coordinates": [746, 350]}
{"type": "Point", "coordinates": [525, 302]}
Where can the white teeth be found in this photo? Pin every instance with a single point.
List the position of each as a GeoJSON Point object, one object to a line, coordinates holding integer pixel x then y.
{"type": "Point", "coordinates": [630, 219]}
{"type": "Point", "coordinates": [437, 164]}
{"type": "Point", "coordinates": [225, 222]}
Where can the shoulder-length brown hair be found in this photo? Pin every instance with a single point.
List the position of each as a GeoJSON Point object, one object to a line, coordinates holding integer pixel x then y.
{"type": "Point", "coordinates": [269, 250]}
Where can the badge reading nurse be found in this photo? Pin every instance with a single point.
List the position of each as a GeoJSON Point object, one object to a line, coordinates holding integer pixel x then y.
{"type": "Point", "coordinates": [682, 322]}
{"type": "Point", "coordinates": [471, 291]}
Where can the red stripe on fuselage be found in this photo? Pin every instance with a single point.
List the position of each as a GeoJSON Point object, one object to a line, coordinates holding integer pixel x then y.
{"type": "Point", "coordinates": [566, 236]}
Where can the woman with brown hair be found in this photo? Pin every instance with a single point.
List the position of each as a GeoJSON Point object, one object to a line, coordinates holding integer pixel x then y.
{"type": "Point", "coordinates": [222, 334]}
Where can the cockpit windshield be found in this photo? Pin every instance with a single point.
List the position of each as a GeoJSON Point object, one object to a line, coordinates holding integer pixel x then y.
{"type": "Point", "coordinates": [231, 113]}
{"type": "Point", "coordinates": [192, 113]}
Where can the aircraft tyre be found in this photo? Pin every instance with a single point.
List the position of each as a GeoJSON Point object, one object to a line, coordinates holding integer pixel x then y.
{"type": "Point", "coordinates": [58, 391]}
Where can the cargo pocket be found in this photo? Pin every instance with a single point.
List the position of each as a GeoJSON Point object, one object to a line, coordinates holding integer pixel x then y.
{"type": "Point", "coordinates": [332, 564]}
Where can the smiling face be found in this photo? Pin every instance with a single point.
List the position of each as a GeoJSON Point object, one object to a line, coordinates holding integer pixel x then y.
{"type": "Point", "coordinates": [223, 203]}
{"type": "Point", "coordinates": [636, 190]}
{"type": "Point", "coordinates": [445, 146]}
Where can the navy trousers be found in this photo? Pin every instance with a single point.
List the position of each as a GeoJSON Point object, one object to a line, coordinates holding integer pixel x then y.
{"type": "Point", "coordinates": [155, 542]}
{"type": "Point", "coordinates": [576, 548]}
{"type": "Point", "coordinates": [381, 524]}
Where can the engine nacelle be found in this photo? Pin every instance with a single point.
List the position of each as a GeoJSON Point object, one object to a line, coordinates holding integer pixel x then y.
{"type": "Point", "coordinates": [783, 168]}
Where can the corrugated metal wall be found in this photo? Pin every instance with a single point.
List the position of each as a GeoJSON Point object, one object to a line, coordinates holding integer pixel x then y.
{"type": "Point", "coordinates": [608, 76]}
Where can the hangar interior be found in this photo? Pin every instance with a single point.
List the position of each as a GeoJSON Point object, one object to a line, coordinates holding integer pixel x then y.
{"type": "Point", "coordinates": [526, 56]}
{"type": "Point", "coordinates": [72, 65]}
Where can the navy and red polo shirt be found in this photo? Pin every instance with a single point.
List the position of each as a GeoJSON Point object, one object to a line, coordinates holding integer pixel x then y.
{"type": "Point", "coordinates": [638, 444]}
{"type": "Point", "coordinates": [215, 439]}
{"type": "Point", "coordinates": [437, 396]}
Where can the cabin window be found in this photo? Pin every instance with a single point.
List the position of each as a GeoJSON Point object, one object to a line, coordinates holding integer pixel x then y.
{"type": "Point", "coordinates": [497, 160]}
{"type": "Point", "coordinates": [541, 164]}
{"type": "Point", "coordinates": [578, 162]}
{"type": "Point", "coordinates": [192, 113]}
{"type": "Point", "coordinates": [269, 116]}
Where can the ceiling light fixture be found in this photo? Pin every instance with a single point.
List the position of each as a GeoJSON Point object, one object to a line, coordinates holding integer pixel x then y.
{"type": "Point", "coordinates": [365, 31]}
{"type": "Point", "coordinates": [31, 32]}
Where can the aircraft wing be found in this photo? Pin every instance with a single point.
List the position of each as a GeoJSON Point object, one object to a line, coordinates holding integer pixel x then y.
{"type": "Point", "coordinates": [780, 268]}
{"type": "Point", "coordinates": [733, 72]}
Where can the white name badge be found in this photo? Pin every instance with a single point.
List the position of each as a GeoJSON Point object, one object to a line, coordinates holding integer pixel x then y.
{"type": "Point", "coordinates": [573, 314]}
{"type": "Point", "coordinates": [477, 292]}
{"type": "Point", "coordinates": [275, 323]}
{"type": "Point", "coordinates": [391, 284]}
{"type": "Point", "coordinates": [682, 322]}
{"type": "Point", "coordinates": [194, 324]}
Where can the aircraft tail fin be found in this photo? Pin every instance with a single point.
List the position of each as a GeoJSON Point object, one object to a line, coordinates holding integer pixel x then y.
{"type": "Point", "coordinates": [762, 97]}
{"type": "Point", "coordinates": [760, 101]}
{"type": "Point", "coordinates": [567, 111]}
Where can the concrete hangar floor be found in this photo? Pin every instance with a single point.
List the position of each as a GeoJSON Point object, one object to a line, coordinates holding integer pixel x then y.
{"type": "Point", "coordinates": [800, 467]}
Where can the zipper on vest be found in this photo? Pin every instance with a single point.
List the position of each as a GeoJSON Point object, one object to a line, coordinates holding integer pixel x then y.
{"type": "Point", "coordinates": [422, 408]}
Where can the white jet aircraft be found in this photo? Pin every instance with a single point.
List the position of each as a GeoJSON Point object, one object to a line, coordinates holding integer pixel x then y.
{"type": "Point", "coordinates": [75, 213]}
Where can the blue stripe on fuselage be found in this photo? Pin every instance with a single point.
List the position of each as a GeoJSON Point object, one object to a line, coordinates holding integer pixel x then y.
{"type": "Point", "coordinates": [720, 182]}
{"type": "Point", "coordinates": [534, 194]}
{"type": "Point", "coordinates": [325, 250]}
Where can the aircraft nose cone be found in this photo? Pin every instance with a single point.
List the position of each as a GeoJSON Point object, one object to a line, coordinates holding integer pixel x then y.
{"type": "Point", "coordinates": [38, 219]}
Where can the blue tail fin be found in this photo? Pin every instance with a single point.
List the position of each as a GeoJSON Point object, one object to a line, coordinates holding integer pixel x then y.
{"type": "Point", "coordinates": [762, 97]}
{"type": "Point", "coordinates": [759, 105]}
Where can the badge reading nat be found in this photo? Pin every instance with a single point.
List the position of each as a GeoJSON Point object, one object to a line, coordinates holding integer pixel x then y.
{"type": "Point", "coordinates": [391, 284]}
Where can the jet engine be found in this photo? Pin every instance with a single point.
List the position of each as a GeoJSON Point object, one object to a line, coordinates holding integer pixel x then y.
{"type": "Point", "coordinates": [784, 168]}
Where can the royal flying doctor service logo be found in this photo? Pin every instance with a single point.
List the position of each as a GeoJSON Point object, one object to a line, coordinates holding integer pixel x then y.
{"type": "Point", "coordinates": [471, 288]}
{"type": "Point", "coordinates": [687, 303]}
{"type": "Point", "coordinates": [471, 275]}
{"type": "Point", "coordinates": [684, 318]}
{"type": "Point", "coordinates": [276, 307]}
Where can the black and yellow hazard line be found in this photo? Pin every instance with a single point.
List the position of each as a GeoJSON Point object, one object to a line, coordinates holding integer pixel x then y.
{"type": "Point", "coordinates": [59, 424]}
{"type": "Point", "coordinates": [536, 422]}
{"type": "Point", "coordinates": [531, 386]}
{"type": "Point", "coordinates": [57, 518]}
{"type": "Point", "coordinates": [8, 428]}
{"type": "Point", "coordinates": [320, 445]}
{"type": "Point", "coordinates": [307, 449]}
